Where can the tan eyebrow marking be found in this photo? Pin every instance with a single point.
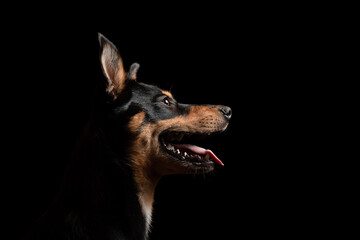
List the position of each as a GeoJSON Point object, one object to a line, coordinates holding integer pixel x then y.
{"type": "Point", "coordinates": [167, 93]}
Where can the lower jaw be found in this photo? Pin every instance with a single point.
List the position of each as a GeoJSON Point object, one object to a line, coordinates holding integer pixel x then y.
{"type": "Point", "coordinates": [193, 166]}
{"type": "Point", "coordinates": [189, 161]}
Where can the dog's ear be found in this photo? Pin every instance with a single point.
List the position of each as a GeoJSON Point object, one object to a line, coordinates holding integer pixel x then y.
{"type": "Point", "coordinates": [112, 66]}
{"type": "Point", "coordinates": [133, 71]}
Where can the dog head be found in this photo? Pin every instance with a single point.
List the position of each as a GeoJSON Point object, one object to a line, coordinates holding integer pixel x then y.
{"type": "Point", "coordinates": [160, 133]}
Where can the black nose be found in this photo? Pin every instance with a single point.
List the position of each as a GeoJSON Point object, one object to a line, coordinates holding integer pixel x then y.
{"type": "Point", "coordinates": [226, 111]}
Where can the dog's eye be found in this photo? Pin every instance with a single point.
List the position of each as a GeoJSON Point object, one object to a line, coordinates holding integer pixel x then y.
{"type": "Point", "coordinates": [166, 100]}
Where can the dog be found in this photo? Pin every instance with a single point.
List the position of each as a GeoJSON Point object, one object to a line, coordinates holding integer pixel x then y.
{"type": "Point", "coordinates": [137, 133]}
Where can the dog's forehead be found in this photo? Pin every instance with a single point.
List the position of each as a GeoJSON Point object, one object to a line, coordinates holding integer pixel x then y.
{"type": "Point", "coordinates": [148, 90]}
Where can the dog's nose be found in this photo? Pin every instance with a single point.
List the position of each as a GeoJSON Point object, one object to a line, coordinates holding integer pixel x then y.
{"type": "Point", "coordinates": [226, 111]}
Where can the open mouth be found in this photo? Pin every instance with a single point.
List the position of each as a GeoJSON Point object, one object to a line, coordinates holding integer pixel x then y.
{"type": "Point", "coordinates": [180, 145]}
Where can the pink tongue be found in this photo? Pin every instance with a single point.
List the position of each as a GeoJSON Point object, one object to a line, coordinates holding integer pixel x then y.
{"type": "Point", "coordinates": [201, 151]}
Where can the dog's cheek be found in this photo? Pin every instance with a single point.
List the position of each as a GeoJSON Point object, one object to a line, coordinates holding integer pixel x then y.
{"type": "Point", "coordinates": [136, 122]}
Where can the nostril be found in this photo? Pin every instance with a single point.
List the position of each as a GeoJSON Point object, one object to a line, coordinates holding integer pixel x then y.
{"type": "Point", "coordinates": [226, 111]}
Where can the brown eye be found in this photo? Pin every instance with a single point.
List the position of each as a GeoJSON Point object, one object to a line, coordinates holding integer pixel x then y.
{"type": "Point", "coordinates": [166, 101]}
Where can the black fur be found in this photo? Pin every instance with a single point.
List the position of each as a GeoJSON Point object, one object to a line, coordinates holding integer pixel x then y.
{"type": "Point", "coordinates": [98, 197]}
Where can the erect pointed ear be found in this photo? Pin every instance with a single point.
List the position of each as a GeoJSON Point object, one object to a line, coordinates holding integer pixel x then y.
{"type": "Point", "coordinates": [112, 66]}
{"type": "Point", "coordinates": [133, 71]}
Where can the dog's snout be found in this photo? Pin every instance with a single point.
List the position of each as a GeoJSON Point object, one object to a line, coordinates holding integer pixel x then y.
{"type": "Point", "coordinates": [226, 111]}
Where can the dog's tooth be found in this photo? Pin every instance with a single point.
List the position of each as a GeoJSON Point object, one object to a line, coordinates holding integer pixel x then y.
{"type": "Point", "coordinates": [186, 154]}
{"type": "Point", "coordinates": [171, 147]}
{"type": "Point", "coordinates": [177, 151]}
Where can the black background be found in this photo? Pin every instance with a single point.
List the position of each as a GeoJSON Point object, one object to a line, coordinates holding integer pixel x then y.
{"type": "Point", "coordinates": [258, 67]}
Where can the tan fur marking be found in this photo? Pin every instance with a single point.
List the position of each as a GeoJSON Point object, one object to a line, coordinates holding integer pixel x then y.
{"type": "Point", "coordinates": [139, 153]}
{"type": "Point", "coordinates": [136, 121]}
{"type": "Point", "coordinates": [120, 81]}
{"type": "Point", "coordinates": [167, 93]}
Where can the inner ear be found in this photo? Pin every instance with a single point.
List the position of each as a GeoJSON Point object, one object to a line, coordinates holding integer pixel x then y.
{"type": "Point", "coordinates": [112, 66]}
